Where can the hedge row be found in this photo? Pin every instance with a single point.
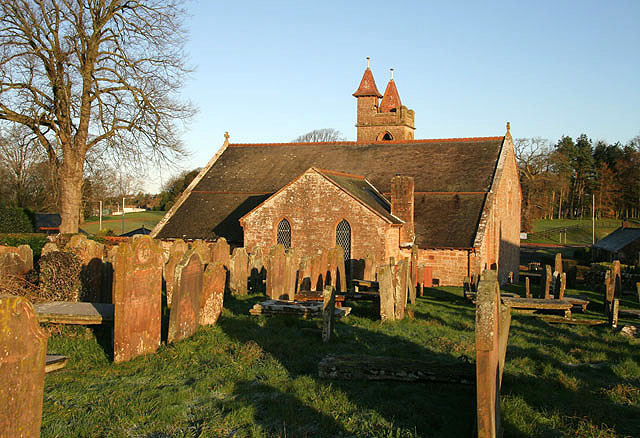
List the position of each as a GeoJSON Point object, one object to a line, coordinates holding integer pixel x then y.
{"type": "Point", "coordinates": [16, 220]}
{"type": "Point", "coordinates": [34, 240]}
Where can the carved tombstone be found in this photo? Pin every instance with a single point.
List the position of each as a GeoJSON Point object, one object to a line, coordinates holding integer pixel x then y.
{"type": "Point", "coordinates": [258, 271]}
{"type": "Point", "coordinates": [547, 282]}
{"type": "Point", "coordinates": [609, 291]}
{"type": "Point", "coordinates": [563, 285]}
{"type": "Point", "coordinates": [558, 263]}
{"type": "Point", "coordinates": [204, 250]}
{"type": "Point", "coordinates": [20, 263]}
{"type": "Point", "coordinates": [336, 268]}
{"type": "Point", "coordinates": [90, 255]}
{"type": "Point", "coordinates": [414, 272]}
{"type": "Point", "coordinates": [387, 293]}
{"type": "Point", "coordinates": [617, 278]}
{"type": "Point", "coordinates": [401, 284]}
{"type": "Point", "coordinates": [555, 283]}
{"type": "Point", "coordinates": [318, 271]}
{"type": "Point", "coordinates": [239, 273]}
{"type": "Point", "coordinates": [328, 311]}
{"type": "Point", "coordinates": [370, 268]}
{"type": "Point", "coordinates": [276, 273]}
{"type": "Point", "coordinates": [187, 288]}
{"type": "Point", "coordinates": [221, 253]}
{"type": "Point", "coordinates": [527, 288]}
{"type": "Point", "coordinates": [137, 295]}
{"type": "Point", "coordinates": [176, 252]}
{"type": "Point", "coordinates": [212, 298]}
{"type": "Point", "coordinates": [23, 348]}
{"type": "Point", "coordinates": [305, 274]}
{"type": "Point", "coordinates": [292, 264]}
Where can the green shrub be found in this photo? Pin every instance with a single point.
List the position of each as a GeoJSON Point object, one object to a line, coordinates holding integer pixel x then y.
{"type": "Point", "coordinates": [15, 220]}
{"type": "Point", "coordinates": [34, 240]}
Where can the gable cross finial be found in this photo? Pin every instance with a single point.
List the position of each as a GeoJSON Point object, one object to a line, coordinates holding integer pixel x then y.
{"type": "Point", "coordinates": [226, 136]}
{"type": "Point", "coordinates": [368, 62]}
{"type": "Point", "coordinates": [508, 127]}
{"type": "Point", "coordinates": [391, 74]}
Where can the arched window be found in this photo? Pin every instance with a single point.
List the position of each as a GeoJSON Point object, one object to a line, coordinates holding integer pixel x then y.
{"type": "Point", "coordinates": [343, 238]}
{"type": "Point", "coordinates": [386, 136]}
{"type": "Point", "coordinates": [284, 233]}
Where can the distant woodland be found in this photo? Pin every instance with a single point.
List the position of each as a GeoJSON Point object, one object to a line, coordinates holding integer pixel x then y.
{"type": "Point", "coordinates": [564, 180]}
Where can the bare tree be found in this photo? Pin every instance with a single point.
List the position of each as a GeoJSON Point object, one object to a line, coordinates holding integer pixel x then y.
{"type": "Point", "coordinates": [326, 134]}
{"type": "Point", "coordinates": [90, 74]}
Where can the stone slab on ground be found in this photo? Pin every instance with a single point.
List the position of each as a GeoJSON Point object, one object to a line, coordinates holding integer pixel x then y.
{"type": "Point", "coordinates": [69, 312]}
{"type": "Point", "coordinates": [55, 362]}
{"type": "Point", "coordinates": [560, 320]}
{"type": "Point", "coordinates": [292, 308]}
{"type": "Point", "coordinates": [363, 367]}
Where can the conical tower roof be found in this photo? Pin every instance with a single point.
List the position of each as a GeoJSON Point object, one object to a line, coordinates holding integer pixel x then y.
{"type": "Point", "coordinates": [391, 98]}
{"type": "Point", "coordinates": [367, 86]}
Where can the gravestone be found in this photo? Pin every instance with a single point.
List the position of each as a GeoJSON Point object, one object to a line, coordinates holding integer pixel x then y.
{"type": "Point", "coordinates": [546, 285]}
{"type": "Point", "coordinates": [203, 249]}
{"type": "Point", "coordinates": [318, 270]}
{"type": "Point", "coordinates": [183, 319]}
{"type": "Point", "coordinates": [292, 264]}
{"type": "Point", "coordinates": [328, 312]}
{"type": "Point", "coordinates": [638, 290]}
{"type": "Point", "coordinates": [336, 269]}
{"type": "Point", "coordinates": [563, 285]}
{"type": "Point", "coordinates": [23, 349]}
{"type": "Point", "coordinates": [90, 255]}
{"type": "Point", "coordinates": [369, 268]}
{"type": "Point", "coordinates": [18, 265]}
{"type": "Point", "coordinates": [527, 287]}
{"type": "Point", "coordinates": [137, 296]}
{"type": "Point", "coordinates": [48, 247]}
{"type": "Point", "coordinates": [276, 272]}
{"type": "Point", "coordinates": [386, 289]}
{"type": "Point", "coordinates": [305, 274]}
{"type": "Point", "coordinates": [466, 285]}
{"type": "Point", "coordinates": [617, 278]}
{"type": "Point", "coordinates": [412, 280]}
{"type": "Point", "coordinates": [221, 253]}
{"type": "Point", "coordinates": [239, 273]}
{"type": "Point", "coordinates": [258, 271]}
{"type": "Point", "coordinates": [401, 284]}
{"type": "Point", "coordinates": [558, 263]}
{"type": "Point", "coordinates": [614, 313]}
{"type": "Point", "coordinates": [176, 252]}
{"type": "Point", "coordinates": [212, 298]}
{"type": "Point", "coordinates": [609, 291]}
{"type": "Point", "coordinates": [555, 284]}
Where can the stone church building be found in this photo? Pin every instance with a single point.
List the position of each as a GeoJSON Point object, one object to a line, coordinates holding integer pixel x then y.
{"type": "Point", "coordinates": [457, 199]}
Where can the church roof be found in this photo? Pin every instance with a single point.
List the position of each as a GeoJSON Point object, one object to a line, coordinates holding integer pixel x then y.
{"type": "Point", "coordinates": [618, 239]}
{"type": "Point", "coordinates": [452, 178]}
{"type": "Point", "coordinates": [367, 85]}
{"type": "Point", "coordinates": [391, 98]}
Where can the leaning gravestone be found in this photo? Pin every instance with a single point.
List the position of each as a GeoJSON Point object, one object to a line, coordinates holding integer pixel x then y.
{"type": "Point", "coordinates": [183, 319]}
{"type": "Point", "coordinates": [176, 251]}
{"type": "Point", "coordinates": [23, 348]}
{"type": "Point", "coordinates": [212, 298]}
{"type": "Point", "coordinates": [328, 312]}
{"type": "Point", "coordinates": [238, 275]}
{"type": "Point", "coordinates": [387, 293]}
{"type": "Point", "coordinates": [137, 295]}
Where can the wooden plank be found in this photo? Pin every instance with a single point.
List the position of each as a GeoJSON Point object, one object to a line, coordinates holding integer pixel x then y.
{"type": "Point", "coordinates": [55, 362]}
{"type": "Point", "coordinates": [62, 312]}
{"type": "Point", "coordinates": [363, 367]}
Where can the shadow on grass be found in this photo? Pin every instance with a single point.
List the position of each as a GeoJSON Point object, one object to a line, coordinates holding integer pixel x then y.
{"type": "Point", "coordinates": [296, 344]}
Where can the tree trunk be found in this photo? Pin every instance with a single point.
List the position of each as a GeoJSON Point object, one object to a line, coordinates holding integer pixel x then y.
{"type": "Point", "coordinates": [71, 193]}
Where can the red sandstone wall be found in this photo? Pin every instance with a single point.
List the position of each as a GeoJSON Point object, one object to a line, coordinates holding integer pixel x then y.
{"type": "Point", "coordinates": [449, 266]}
{"type": "Point", "coordinates": [313, 206]}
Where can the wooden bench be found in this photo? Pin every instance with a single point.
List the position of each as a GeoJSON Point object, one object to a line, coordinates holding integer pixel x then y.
{"type": "Point", "coordinates": [63, 312]}
{"type": "Point", "coordinates": [539, 304]}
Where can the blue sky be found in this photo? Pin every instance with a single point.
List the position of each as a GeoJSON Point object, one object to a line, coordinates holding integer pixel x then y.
{"type": "Point", "coordinates": [268, 71]}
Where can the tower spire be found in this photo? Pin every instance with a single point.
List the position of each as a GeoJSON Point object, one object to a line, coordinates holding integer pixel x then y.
{"type": "Point", "coordinates": [391, 99]}
{"type": "Point", "coordinates": [367, 84]}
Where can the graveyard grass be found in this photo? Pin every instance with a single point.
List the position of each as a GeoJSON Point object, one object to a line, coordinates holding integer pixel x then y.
{"type": "Point", "coordinates": [254, 376]}
{"type": "Point", "coordinates": [114, 223]}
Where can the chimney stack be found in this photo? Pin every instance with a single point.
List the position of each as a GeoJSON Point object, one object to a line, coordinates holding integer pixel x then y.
{"type": "Point", "coordinates": [402, 207]}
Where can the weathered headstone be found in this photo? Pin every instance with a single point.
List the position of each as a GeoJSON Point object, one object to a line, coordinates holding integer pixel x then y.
{"type": "Point", "coordinates": [546, 285]}
{"type": "Point", "coordinates": [258, 271]}
{"type": "Point", "coordinates": [183, 319]}
{"type": "Point", "coordinates": [558, 263]}
{"type": "Point", "coordinates": [276, 273]}
{"type": "Point", "coordinates": [555, 284]}
{"type": "Point", "coordinates": [204, 250]}
{"type": "Point", "coordinates": [319, 270]}
{"type": "Point", "coordinates": [212, 298]}
{"type": "Point", "coordinates": [23, 348]}
{"type": "Point", "coordinates": [412, 279]}
{"type": "Point", "coordinates": [563, 285]}
{"type": "Point", "coordinates": [239, 273]}
{"type": "Point", "coordinates": [401, 280]}
{"type": "Point", "coordinates": [609, 292]}
{"type": "Point", "coordinates": [137, 295]}
{"type": "Point", "coordinates": [305, 274]}
{"type": "Point", "coordinates": [614, 313]}
{"type": "Point", "coordinates": [527, 287]}
{"type": "Point", "coordinates": [90, 255]}
{"type": "Point", "coordinates": [369, 268]}
{"type": "Point", "coordinates": [337, 269]}
{"type": "Point", "coordinates": [387, 292]}
{"type": "Point", "coordinates": [292, 264]}
{"type": "Point", "coordinates": [18, 265]}
{"type": "Point", "coordinates": [328, 311]}
{"type": "Point", "coordinates": [492, 331]}
{"type": "Point", "coordinates": [617, 278]}
{"type": "Point", "coordinates": [221, 253]}
{"type": "Point", "coordinates": [176, 252]}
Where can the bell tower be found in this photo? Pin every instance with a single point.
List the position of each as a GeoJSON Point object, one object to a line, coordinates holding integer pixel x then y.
{"type": "Point", "coordinates": [382, 120]}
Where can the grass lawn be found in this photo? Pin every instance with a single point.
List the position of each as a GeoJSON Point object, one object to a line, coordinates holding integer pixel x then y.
{"type": "Point", "coordinates": [131, 221]}
{"type": "Point", "coordinates": [254, 376]}
{"type": "Point", "coordinates": [579, 231]}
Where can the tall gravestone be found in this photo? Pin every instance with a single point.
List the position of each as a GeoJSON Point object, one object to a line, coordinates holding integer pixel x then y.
{"type": "Point", "coordinates": [547, 282]}
{"type": "Point", "coordinates": [336, 268]}
{"type": "Point", "coordinates": [386, 289]}
{"type": "Point", "coordinates": [212, 298]}
{"type": "Point", "coordinates": [204, 250]}
{"type": "Point", "coordinates": [90, 255]}
{"type": "Point", "coordinates": [137, 295]}
{"type": "Point", "coordinates": [276, 273]}
{"type": "Point", "coordinates": [258, 271]}
{"type": "Point", "coordinates": [221, 253]}
{"type": "Point", "coordinates": [292, 264]}
{"type": "Point", "coordinates": [305, 274]}
{"type": "Point", "coordinates": [239, 273]}
{"type": "Point", "coordinates": [328, 312]}
{"type": "Point", "coordinates": [558, 263]}
{"type": "Point", "coordinates": [370, 268]}
{"type": "Point", "coordinates": [318, 271]}
{"type": "Point", "coordinates": [401, 286]}
{"type": "Point", "coordinates": [176, 252]}
{"type": "Point", "coordinates": [23, 349]}
{"type": "Point", "coordinates": [183, 319]}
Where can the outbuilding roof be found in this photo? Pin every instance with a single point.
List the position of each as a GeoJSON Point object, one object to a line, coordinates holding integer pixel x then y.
{"type": "Point", "coordinates": [452, 178]}
{"type": "Point", "coordinates": [618, 239]}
